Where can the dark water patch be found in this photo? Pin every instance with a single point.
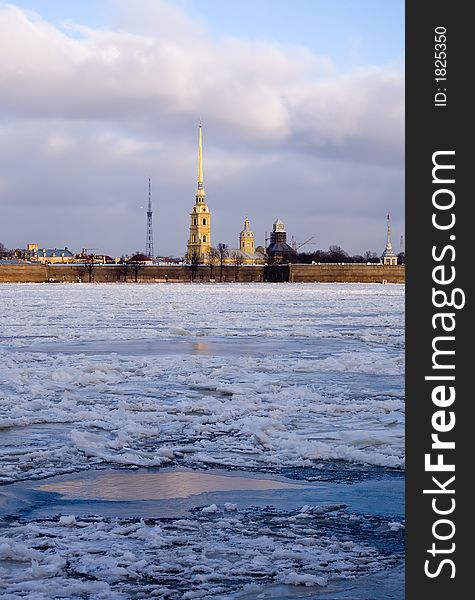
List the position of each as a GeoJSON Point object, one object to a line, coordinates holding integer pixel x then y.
{"type": "Point", "coordinates": [384, 585]}
{"type": "Point", "coordinates": [352, 528]}
{"type": "Point", "coordinates": [175, 491]}
{"type": "Point", "coordinates": [326, 519]}
{"type": "Point", "coordinates": [340, 472]}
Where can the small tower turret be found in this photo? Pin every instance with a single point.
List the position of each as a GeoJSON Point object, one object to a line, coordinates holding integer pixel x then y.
{"type": "Point", "coordinates": [278, 250]}
{"type": "Point", "coordinates": [388, 257]}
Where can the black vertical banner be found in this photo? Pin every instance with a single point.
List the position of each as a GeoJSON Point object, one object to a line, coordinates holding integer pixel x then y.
{"type": "Point", "coordinates": [439, 431]}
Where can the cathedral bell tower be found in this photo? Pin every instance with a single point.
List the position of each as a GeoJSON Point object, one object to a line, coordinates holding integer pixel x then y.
{"type": "Point", "coordinates": [199, 242]}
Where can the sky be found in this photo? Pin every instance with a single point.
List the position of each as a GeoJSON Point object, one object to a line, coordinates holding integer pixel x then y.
{"type": "Point", "coordinates": [302, 105]}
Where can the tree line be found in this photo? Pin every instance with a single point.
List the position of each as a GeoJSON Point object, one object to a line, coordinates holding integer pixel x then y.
{"type": "Point", "coordinates": [336, 254]}
{"type": "Point", "coordinates": [217, 257]}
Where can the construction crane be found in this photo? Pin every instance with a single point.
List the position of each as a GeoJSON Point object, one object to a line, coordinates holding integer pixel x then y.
{"type": "Point", "coordinates": [296, 246]}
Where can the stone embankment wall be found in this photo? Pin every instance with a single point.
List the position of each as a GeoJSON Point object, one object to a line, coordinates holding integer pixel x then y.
{"type": "Point", "coordinates": [115, 273]}
{"type": "Point", "coordinates": [350, 273]}
{"type": "Point", "coordinates": [323, 273]}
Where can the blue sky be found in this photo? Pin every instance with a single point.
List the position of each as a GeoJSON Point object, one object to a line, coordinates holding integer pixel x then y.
{"type": "Point", "coordinates": [302, 103]}
{"type": "Point", "coordinates": [352, 32]}
{"type": "Point", "coordinates": [87, 12]}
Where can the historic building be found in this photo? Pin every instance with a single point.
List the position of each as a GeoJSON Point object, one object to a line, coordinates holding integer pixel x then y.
{"type": "Point", "coordinates": [246, 254]}
{"type": "Point", "coordinates": [246, 238]}
{"type": "Point", "coordinates": [278, 250]}
{"type": "Point", "coordinates": [199, 241]}
{"type": "Point", "coordinates": [388, 256]}
{"type": "Point", "coordinates": [200, 250]}
{"type": "Point", "coordinates": [50, 255]}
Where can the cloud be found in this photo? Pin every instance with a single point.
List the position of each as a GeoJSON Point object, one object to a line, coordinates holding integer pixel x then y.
{"type": "Point", "coordinates": [98, 110]}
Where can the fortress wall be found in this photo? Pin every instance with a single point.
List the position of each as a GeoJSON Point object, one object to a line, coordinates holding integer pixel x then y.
{"type": "Point", "coordinates": [347, 273]}
{"type": "Point", "coordinates": [22, 273]}
{"type": "Point", "coordinates": [75, 273]}
{"type": "Point", "coordinates": [324, 273]}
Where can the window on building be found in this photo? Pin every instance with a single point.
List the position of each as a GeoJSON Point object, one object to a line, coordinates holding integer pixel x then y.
{"type": "Point", "coordinates": [195, 221]}
{"type": "Point", "coordinates": [193, 238]}
{"type": "Point", "coordinates": [204, 221]}
{"type": "Point", "coordinates": [204, 238]}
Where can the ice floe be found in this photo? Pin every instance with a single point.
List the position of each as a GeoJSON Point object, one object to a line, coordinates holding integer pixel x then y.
{"type": "Point", "coordinates": [263, 377]}
{"type": "Point", "coordinates": [313, 393]}
{"type": "Point", "coordinates": [211, 553]}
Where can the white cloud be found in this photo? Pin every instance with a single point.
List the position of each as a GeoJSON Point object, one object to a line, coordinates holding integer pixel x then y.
{"type": "Point", "coordinates": [268, 91]}
{"type": "Point", "coordinates": [58, 143]}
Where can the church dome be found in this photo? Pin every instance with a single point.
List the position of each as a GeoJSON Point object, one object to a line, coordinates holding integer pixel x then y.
{"type": "Point", "coordinates": [246, 232]}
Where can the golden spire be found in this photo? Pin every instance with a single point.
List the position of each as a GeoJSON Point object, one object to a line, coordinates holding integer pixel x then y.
{"type": "Point", "coordinates": [200, 191]}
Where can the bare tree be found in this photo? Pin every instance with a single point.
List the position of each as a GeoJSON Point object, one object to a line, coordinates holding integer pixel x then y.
{"type": "Point", "coordinates": [136, 263]}
{"type": "Point", "coordinates": [194, 259]}
{"type": "Point", "coordinates": [19, 254]}
{"type": "Point", "coordinates": [337, 254]}
{"type": "Point", "coordinates": [89, 265]}
{"type": "Point", "coordinates": [213, 258]}
{"type": "Point", "coordinates": [3, 250]}
{"type": "Point", "coordinates": [370, 256]}
{"type": "Point", "coordinates": [237, 262]}
{"type": "Point", "coordinates": [124, 267]}
{"type": "Point", "coordinates": [223, 253]}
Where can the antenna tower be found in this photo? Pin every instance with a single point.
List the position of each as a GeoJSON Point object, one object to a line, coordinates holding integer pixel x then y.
{"type": "Point", "coordinates": [149, 236]}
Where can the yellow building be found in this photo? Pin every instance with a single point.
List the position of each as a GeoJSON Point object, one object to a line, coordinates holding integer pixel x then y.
{"type": "Point", "coordinates": [246, 239]}
{"type": "Point", "coordinates": [50, 255]}
{"type": "Point", "coordinates": [199, 242]}
{"type": "Point", "coordinates": [246, 254]}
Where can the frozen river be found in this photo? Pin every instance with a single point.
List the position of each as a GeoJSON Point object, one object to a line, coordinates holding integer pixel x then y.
{"type": "Point", "coordinates": [276, 408]}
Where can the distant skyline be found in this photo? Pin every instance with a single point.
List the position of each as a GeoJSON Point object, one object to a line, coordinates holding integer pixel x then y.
{"type": "Point", "coordinates": [302, 106]}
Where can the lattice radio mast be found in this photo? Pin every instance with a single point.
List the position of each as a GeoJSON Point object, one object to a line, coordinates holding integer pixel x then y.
{"type": "Point", "coordinates": [149, 236]}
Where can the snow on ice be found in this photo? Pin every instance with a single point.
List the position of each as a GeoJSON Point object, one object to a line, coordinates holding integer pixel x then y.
{"type": "Point", "coordinates": [210, 554]}
{"type": "Point", "coordinates": [320, 390]}
{"type": "Point", "coordinates": [253, 377]}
